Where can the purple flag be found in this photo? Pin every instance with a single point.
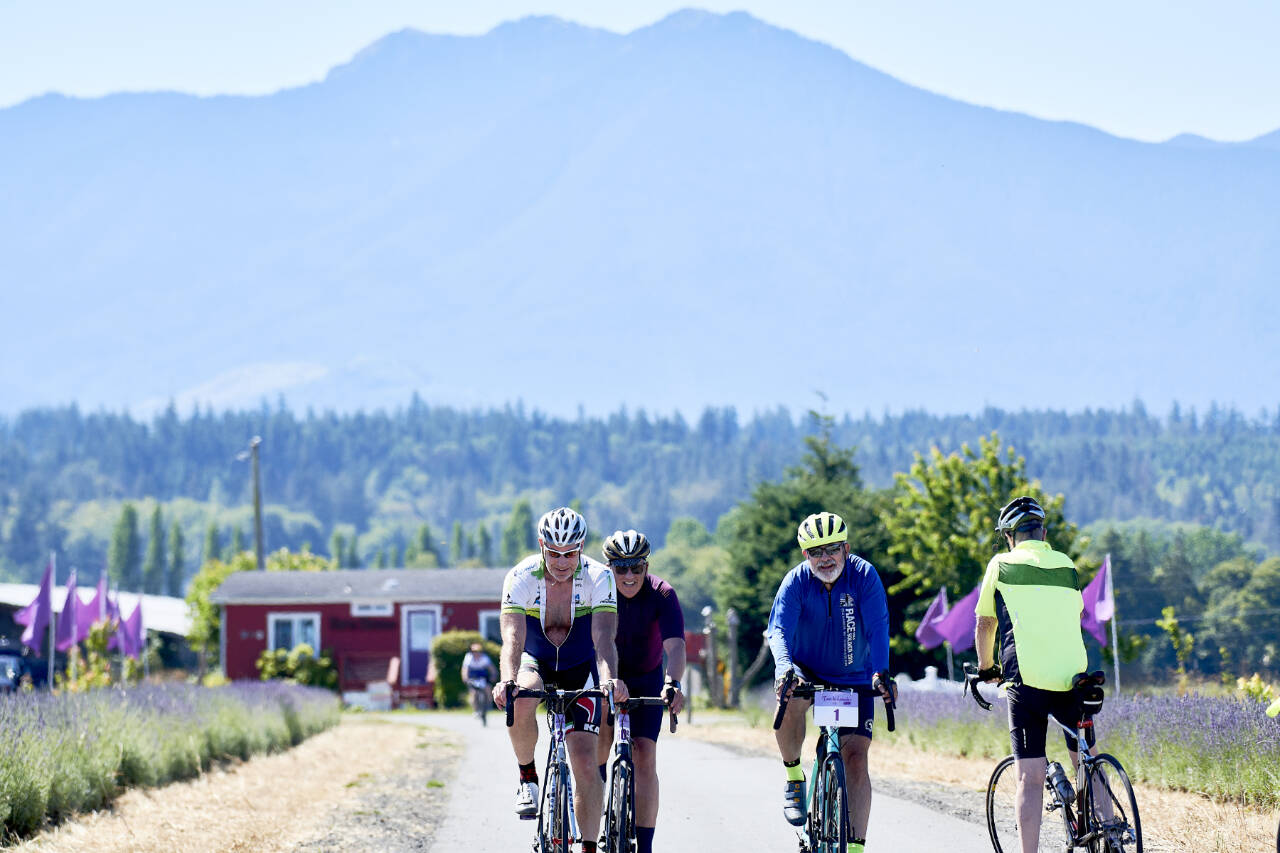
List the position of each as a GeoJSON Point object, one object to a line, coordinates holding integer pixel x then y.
{"type": "Point", "coordinates": [927, 634]}
{"type": "Point", "coordinates": [96, 609]}
{"type": "Point", "coordinates": [131, 633]}
{"type": "Point", "coordinates": [67, 634]}
{"type": "Point", "coordinates": [958, 625]}
{"type": "Point", "coordinates": [36, 615]}
{"type": "Point", "coordinates": [1099, 602]}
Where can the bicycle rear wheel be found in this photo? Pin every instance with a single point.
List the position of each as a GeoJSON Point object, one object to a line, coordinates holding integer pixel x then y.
{"type": "Point", "coordinates": [1110, 809]}
{"type": "Point", "coordinates": [832, 804]}
{"type": "Point", "coordinates": [620, 816]}
{"type": "Point", "coordinates": [1002, 813]}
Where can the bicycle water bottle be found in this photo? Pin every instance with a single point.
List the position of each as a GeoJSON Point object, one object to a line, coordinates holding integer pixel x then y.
{"type": "Point", "coordinates": [1057, 779]}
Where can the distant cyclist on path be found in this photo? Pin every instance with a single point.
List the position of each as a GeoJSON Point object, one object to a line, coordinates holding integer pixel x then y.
{"type": "Point", "coordinates": [650, 623]}
{"type": "Point", "coordinates": [559, 616]}
{"type": "Point", "coordinates": [830, 623]}
{"type": "Point", "coordinates": [1030, 600]}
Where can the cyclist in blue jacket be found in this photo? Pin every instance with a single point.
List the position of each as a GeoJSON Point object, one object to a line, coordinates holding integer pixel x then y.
{"type": "Point", "coordinates": [830, 623]}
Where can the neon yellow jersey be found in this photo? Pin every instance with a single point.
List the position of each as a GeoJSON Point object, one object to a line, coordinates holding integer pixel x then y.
{"type": "Point", "coordinates": [1034, 593]}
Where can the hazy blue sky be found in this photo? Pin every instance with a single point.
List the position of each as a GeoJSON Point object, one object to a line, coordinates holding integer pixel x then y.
{"type": "Point", "coordinates": [1137, 68]}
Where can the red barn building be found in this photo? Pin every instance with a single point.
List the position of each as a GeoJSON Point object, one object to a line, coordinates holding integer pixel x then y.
{"type": "Point", "coordinates": [364, 618]}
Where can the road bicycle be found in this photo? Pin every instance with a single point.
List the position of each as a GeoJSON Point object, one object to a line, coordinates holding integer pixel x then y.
{"type": "Point", "coordinates": [557, 825]}
{"type": "Point", "coordinates": [1099, 814]}
{"type": "Point", "coordinates": [620, 809]}
{"type": "Point", "coordinates": [481, 698]}
{"type": "Point", "coordinates": [826, 828]}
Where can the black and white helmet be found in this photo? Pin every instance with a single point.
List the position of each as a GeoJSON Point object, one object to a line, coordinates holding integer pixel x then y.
{"type": "Point", "coordinates": [1024, 513]}
{"type": "Point", "coordinates": [561, 528]}
{"type": "Point", "coordinates": [626, 547]}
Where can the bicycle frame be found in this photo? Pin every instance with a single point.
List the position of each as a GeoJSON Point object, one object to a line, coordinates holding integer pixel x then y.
{"type": "Point", "coordinates": [557, 766]}
{"type": "Point", "coordinates": [624, 769]}
{"type": "Point", "coordinates": [1087, 770]}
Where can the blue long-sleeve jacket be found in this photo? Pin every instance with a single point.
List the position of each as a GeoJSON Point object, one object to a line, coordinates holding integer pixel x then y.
{"type": "Point", "coordinates": [838, 636]}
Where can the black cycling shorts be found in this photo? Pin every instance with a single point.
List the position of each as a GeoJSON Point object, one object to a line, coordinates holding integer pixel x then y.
{"type": "Point", "coordinates": [585, 714]}
{"type": "Point", "coordinates": [1029, 712]}
{"type": "Point", "coordinates": [646, 721]}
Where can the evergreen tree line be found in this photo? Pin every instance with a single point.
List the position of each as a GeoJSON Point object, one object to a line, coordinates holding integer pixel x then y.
{"type": "Point", "coordinates": [377, 487]}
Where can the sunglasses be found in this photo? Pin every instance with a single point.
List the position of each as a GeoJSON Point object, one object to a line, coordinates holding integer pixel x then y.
{"type": "Point", "coordinates": [832, 550]}
{"type": "Point", "coordinates": [551, 552]}
{"type": "Point", "coordinates": [621, 568]}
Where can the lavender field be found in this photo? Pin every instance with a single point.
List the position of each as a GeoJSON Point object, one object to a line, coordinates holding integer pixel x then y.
{"type": "Point", "coordinates": [71, 752]}
{"type": "Point", "coordinates": [1225, 748]}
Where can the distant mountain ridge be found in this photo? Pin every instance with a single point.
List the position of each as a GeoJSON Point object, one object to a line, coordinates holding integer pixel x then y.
{"type": "Point", "coordinates": [709, 210]}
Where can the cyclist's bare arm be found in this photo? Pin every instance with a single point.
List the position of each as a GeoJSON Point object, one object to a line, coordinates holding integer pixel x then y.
{"type": "Point", "coordinates": [604, 627]}
{"type": "Point", "coordinates": [512, 626]}
{"type": "Point", "coordinates": [674, 649]}
{"type": "Point", "coordinates": [984, 637]}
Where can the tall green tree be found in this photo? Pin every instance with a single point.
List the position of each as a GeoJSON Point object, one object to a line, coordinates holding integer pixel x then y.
{"type": "Point", "coordinates": [177, 561]}
{"type": "Point", "coordinates": [457, 545]}
{"type": "Point", "coordinates": [237, 540]}
{"type": "Point", "coordinates": [338, 550]}
{"type": "Point", "coordinates": [422, 551]}
{"type": "Point", "coordinates": [212, 543]}
{"type": "Point", "coordinates": [519, 538]}
{"type": "Point", "coordinates": [124, 560]}
{"type": "Point", "coordinates": [942, 525]}
{"type": "Point", "coordinates": [153, 567]}
{"type": "Point", "coordinates": [484, 545]}
{"type": "Point", "coordinates": [353, 552]}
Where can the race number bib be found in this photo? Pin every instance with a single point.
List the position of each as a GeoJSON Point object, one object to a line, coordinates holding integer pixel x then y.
{"type": "Point", "coordinates": [832, 708]}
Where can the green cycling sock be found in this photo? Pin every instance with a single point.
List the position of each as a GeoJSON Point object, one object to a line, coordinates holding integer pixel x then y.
{"type": "Point", "coordinates": [856, 847]}
{"type": "Point", "coordinates": [794, 773]}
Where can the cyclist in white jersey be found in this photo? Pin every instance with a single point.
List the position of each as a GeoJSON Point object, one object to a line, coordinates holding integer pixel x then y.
{"type": "Point", "coordinates": [559, 617]}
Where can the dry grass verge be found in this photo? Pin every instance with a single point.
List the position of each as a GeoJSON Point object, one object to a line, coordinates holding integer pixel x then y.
{"type": "Point", "coordinates": [272, 803]}
{"type": "Point", "coordinates": [1172, 820]}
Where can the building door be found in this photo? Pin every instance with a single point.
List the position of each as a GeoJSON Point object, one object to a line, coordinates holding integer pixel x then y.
{"type": "Point", "coordinates": [419, 625]}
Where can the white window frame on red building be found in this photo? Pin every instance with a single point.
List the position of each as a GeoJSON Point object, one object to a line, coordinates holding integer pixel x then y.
{"type": "Point", "coordinates": [294, 617]}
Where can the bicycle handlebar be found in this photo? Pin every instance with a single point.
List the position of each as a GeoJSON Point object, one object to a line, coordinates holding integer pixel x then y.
{"type": "Point", "coordinates": [792, 685]}
{"type": "Point", "coordinates": [641, 702]}
{"type": "Point", "coordinates": [514, 693]}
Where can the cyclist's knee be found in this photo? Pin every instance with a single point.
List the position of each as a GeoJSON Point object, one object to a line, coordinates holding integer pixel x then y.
{"type": "Point", "coordinates": [645, 753]}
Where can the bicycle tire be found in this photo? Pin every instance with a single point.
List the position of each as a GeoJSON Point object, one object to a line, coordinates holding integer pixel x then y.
{"type": "Point", "coordinates": [1002, 807]}
{"type": "Point", "coordinates": [832, 807]}
{"type": "Point", "coordinates": [620, 818]}
{"type": "Point", "coordinates": [553, 821]}
{"type": "Point", "coordinates": [1108, 790]}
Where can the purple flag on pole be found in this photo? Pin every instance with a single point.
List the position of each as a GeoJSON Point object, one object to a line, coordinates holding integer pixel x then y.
{"type": "Point", "coordinates": [1099, 602]}
{"type": "Point", "coordinates": [67, 634]}
{"type": "Point", "coordinates": [96, 609]}
{"type": "Point", "coordinates": [37, 614]}
{"type": "Point", "coordinates": [131, 633]}
{"type": "Point", "coordinates": [958, 625]}
{"type": "Point", "coordinates": [927, 634]}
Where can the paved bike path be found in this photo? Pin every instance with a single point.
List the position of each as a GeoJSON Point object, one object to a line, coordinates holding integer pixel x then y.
{"type": "Point", "coordinates": [713, 799]}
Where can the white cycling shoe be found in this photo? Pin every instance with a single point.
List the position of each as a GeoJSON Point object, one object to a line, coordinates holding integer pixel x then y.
{"type": "Point", "coordinates": [527, 799]}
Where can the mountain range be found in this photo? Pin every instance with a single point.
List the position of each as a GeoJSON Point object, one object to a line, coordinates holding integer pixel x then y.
{"type": "Point", "coordinates": [708, 210]}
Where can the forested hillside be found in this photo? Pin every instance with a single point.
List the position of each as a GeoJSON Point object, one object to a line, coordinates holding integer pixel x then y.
{"type": "Point", "coordinates": [378, 477]}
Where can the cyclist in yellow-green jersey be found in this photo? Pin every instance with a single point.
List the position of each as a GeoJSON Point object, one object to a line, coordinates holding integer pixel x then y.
{"type": "Point", "coordinates": [1030, 600]}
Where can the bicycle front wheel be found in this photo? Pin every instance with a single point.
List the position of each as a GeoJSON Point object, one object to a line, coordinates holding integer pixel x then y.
{"type": "Point", "coordinates": [1110, 810]}
{"type": "Point", "coordinates": [832, 803]}
{"type": "Point", "coordinates": [620, 817]}
{"type": "Point", "coordinates": [553, 824]}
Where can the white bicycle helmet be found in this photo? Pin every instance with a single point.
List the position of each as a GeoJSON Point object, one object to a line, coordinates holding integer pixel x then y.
{"type": "Point", "coordinates": [561, 528]}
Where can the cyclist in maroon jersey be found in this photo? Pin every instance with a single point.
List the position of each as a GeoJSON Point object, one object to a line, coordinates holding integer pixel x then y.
{"type": "Point", "coordinates": [650, 624]}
